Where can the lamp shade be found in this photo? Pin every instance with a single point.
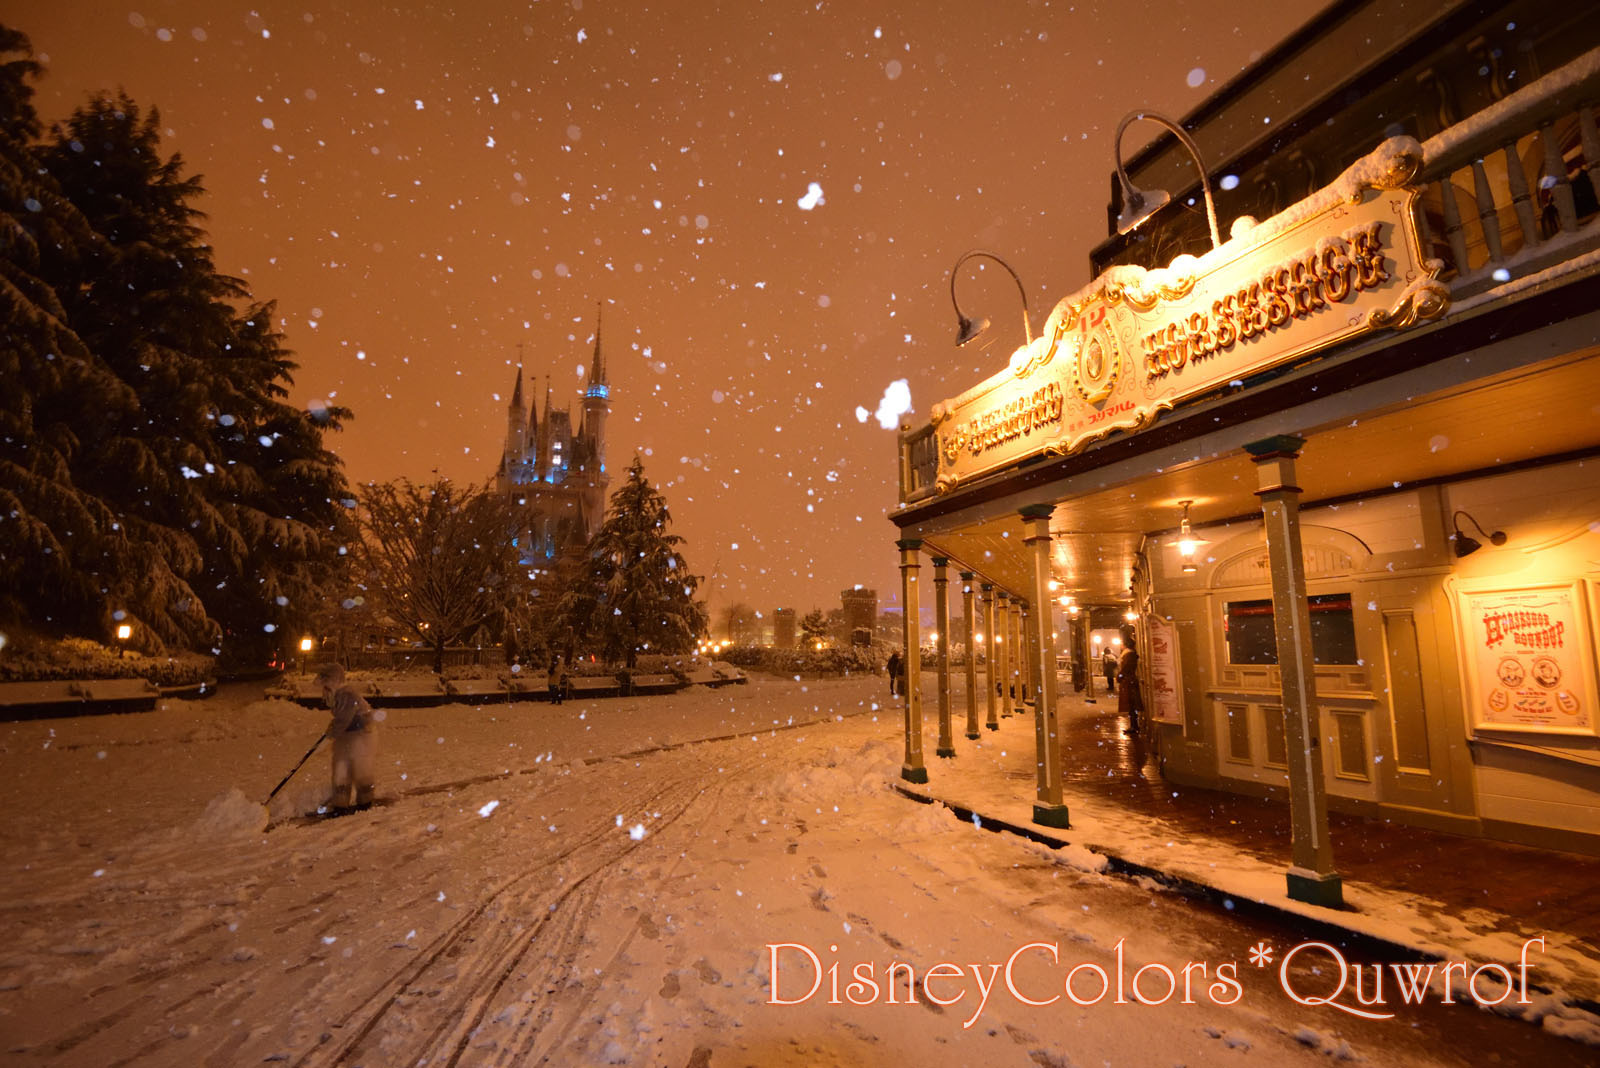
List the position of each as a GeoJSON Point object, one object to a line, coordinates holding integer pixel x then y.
{"type": "Point", "coordinates": [969, 329]}
{"type": "Point", "coordinates": [1138, 205]}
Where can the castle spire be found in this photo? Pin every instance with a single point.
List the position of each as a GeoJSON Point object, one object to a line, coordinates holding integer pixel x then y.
{"type": "Point", "coordinates": [596, 403]}
{"type": "Point", "coordinates": [597, 366]}
{"type": "Point", "coordinates": [514, 457]}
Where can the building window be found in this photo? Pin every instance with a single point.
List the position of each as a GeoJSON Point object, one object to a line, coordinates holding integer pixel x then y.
{"type": "Point", "coordinates": [1252, 639]}
{"type": "Point", "coordinates": [1239, 732]}
{"type": "Point", "coordinates": [1350, 736]}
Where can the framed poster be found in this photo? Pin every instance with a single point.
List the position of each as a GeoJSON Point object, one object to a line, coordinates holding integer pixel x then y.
{"type": "Point", "coordinates": [1166, 675]}
{"type": "Point", "coordinates": [1529, 659]}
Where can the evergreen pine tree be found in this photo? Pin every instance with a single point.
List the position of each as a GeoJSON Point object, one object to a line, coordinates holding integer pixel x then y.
{"type": "Point", "coordinates": [288, 499]}
{"type": "Point", "coordinates": [147, 301]}
{"type": "Point", "coordinates": [60, 543]}
{"type": "Point", "coordinates": [643, 590]}
{"type": "Point", "coordinates": [233, 508]}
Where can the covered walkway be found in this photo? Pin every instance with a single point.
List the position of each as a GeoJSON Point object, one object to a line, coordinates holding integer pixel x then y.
{"type": "Point", "coordinates": [1445, 894]}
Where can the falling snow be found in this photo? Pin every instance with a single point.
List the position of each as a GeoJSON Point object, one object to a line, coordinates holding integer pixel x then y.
{"type": "Point", "coordinates": [764, 202]}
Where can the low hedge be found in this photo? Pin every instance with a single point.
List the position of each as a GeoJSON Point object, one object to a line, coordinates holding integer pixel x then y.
{"type": "Point", "coordinates": [843, 660]}
{"type": "Point", "coordinates": [59, 659]}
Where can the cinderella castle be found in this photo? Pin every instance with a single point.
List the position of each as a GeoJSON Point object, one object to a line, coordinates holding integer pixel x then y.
{"type": "Point", "coordinates": [554, 472]}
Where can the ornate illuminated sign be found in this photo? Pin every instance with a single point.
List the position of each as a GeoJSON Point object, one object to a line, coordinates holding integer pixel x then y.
{"type": "Point", "coordinates": [1344, 262]}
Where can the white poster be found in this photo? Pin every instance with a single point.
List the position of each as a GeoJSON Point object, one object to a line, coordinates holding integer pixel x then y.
{"type": "Point", "coordinates": [1529, 659]}
{"type": "Point", "coordinates": [1166, 677]}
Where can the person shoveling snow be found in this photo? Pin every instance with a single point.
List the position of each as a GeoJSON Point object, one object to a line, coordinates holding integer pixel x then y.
{"type": "Point", "coordinates": [354, 730]}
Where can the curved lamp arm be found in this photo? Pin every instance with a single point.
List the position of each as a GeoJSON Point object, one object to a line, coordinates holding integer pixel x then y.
{"type": "Point", "coordinates": [968, 331]}
{"type": "Point", "coordinates": [1134, 199]}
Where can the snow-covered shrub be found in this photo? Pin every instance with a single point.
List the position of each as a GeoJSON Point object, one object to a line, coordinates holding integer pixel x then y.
{"type": "Point", "coordinates": [36, 659]}
{"type": "Point", "coordinates": [841, 660]}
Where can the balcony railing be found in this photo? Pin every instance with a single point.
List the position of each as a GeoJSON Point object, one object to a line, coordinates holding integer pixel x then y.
{"type": "Point", "coordinates": [919, 462]}
{"type": "Point", "coordinates": [1512, 190]}
{"type": "Point", "coordinates": [1508, 194]}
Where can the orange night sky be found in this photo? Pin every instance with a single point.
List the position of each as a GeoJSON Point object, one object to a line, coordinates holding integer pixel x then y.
{"type": "Point", "coordinates": [766, 198]}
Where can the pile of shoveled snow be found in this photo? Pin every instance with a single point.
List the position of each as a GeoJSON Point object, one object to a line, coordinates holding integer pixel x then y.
{"type": "Point", "coordinates": [927, 819]}
{"type": "Point", "coordinates": [1071, 855]}
{"type": "Point", "coordinates": [842, 773]}
{"type": "Point", "coordinates": [231, 813]}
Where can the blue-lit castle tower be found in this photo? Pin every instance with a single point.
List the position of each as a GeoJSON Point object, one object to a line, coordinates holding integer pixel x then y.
{"type": "Point", "coordinates": [556, 474]}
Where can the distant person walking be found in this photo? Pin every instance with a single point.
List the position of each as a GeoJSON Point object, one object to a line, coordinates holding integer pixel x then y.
{"type": "Point", "coordinates": [557, 682]}
{"type": "Point", "coordinates": [895, 668]}
{"type": "Point", "coordinates": [353, 730]}
{"type": "Point", "coordinates": [1130, 698]}
{"type": "Point", "coordinates": [1108, 668]}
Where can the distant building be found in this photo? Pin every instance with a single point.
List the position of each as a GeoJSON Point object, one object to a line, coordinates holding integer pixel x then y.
{"type": "Point", "coordinates": [785, 629]}
{"type": "Point", "coordinates": [554, 472]}
{"type": "Point", "coordinates": [860, 609]}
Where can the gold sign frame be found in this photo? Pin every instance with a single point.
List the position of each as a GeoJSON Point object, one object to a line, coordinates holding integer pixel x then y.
{"type": "Point", "coordinates": [1344, 262]}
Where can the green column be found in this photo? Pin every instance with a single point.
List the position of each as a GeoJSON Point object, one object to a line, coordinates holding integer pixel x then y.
{"type": "Point", "coordinates": [913, 770]}
{"type": "Point", "coordinates": [1048, 807]}
{"type": "Point", "coordinates": [1086, 627]}
{"type": "Point", "coordinates": [941, 621]}
{"type": "Point", "coordinates": [1002, 649]}
{"type": "Point", "coordinates": [991, 648]}
{"type": "Point", "coordinates": [1312, 879]}
{"type": "Point", "coordinates": [1018, 658]}
{"type": "Point", "coordinates": [1028, 670]}
{"type": "Point", "coordinates": [972, 655]}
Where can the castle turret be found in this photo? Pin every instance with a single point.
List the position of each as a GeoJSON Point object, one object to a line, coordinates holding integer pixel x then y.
{"type": "Point", "coordinates": [542, 471]}
{"type": "Point", "coordinates": [515, 455]}
{"type": "Point", "coordinates": [596, 404]}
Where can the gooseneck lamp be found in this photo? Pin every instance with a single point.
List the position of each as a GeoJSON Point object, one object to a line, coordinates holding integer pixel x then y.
{"type": "Point", "coordinates": [967, 328]}
{"type": "Point", "coordinates": [1139, 204]}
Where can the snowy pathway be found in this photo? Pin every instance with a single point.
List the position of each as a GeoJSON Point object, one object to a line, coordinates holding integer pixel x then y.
{"type": "Point", "coordinates": [531, 895]}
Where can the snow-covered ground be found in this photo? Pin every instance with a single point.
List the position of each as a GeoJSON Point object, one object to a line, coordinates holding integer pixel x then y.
{"type": "Point", "coordinates": [680, 880]}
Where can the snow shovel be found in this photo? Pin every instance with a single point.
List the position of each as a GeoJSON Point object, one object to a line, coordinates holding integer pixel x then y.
{"type": "Point", "coordinates": [294, 769]}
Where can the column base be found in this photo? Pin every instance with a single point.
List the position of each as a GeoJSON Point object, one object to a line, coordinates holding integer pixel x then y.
{"type": "Point", "coordinates": [993, 726]}
{"type": "Point", "coordinates": [1312, 888]}
{"type": "Point", "coordinates": [944, 752]}
{"type": "Point", "coordinates": [1050, 815]}
{"type": "Point", "coordinates": [974, 735]}
{"type": "Point", "coordinates": [913, 774]}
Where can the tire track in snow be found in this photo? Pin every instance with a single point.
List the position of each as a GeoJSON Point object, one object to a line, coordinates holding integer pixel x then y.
{"type": "Point", "coordinates": [562, 922]}
{"type": "Point", "coordinates": [521, 1048]}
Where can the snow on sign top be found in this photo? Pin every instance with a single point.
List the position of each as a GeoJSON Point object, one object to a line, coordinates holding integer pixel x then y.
{"type": "Point", "coordinates": [1343, 262]}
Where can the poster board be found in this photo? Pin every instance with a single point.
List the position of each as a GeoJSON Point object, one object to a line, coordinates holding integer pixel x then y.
{"type": "Point", "coordinates": [1165, 704]}
{"type": "Point", "coordinates": [1529, 658]}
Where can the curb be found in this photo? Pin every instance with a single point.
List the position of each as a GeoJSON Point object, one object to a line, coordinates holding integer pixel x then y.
{"type": "Point", "coordinates": [1216, 897]}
